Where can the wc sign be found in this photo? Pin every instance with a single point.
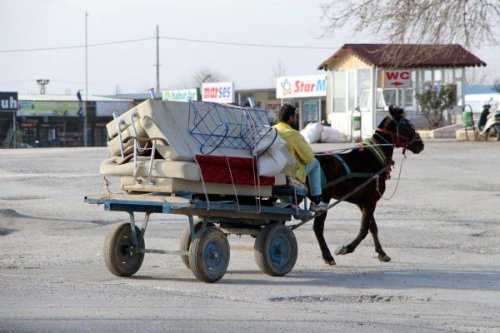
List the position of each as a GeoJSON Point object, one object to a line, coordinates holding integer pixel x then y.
{"type": "Point", "coordinates": [397, 79]}
{"type": "Point", "coordinates": [8, 101]}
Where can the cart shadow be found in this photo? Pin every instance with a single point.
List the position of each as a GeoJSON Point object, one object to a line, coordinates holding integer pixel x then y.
{"type": "Point", "coordinates": [468, 278]}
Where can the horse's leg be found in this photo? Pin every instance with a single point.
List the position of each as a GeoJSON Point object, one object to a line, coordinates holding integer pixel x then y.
{"type": "Point", "coordinates": [366, 218]}
{"type": "Point", "coordinates": [319, 227]}
{"type": "Point", "coordinates": [382, 256]}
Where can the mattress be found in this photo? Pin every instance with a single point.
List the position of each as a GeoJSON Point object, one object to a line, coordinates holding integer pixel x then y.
{"type": "Point", "coordinates": [160, 168]}
{"type": "Point", "coordinates": [174, 185]}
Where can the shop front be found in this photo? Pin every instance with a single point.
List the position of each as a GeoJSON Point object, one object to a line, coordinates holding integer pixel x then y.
{"type": "Point", "coordinates": [59, 121]}
{"type": "Point", "coordinates": [364, 79]}
{"type": "Point", "coordinates": [307, 93]}
{"type": "Point", "coordinates": [8, 130]}
{"type": "Point", "coordinates": [46, 122]}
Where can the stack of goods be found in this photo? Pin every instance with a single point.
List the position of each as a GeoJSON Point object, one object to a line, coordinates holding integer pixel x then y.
{"type": "Point", "coordinates": [194, 147]}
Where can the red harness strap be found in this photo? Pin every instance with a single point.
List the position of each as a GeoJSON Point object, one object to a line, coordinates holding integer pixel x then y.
{"type": "Point", "coordinates": [396, 138]}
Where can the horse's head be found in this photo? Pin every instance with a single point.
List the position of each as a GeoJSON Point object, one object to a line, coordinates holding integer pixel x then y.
{"type": "Point", "coordinates": [401, 131]}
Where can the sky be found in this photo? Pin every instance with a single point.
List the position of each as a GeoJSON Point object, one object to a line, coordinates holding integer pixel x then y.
{"type": "Point", "coordinates": [123, 59]}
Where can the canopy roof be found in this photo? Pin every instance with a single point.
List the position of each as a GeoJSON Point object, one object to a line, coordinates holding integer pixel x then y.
{"type": "Point", "coordinates": [405, 56]}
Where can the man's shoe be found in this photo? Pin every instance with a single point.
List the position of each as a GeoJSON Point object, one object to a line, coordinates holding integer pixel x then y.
{"type": "Point", "coordinates": [320, 207]}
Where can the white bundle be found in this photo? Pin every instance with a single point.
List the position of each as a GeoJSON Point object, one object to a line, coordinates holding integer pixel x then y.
{"type": "Point", "coordinates": [331, 135]}
{"type": "Point", "coordinates": [312, 132]}
{"type": "Point", "coordinates": [273, 157]}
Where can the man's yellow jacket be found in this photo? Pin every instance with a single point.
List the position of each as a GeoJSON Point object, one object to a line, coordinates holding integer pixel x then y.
{"type": "Point", "coordinates": [298, 147]}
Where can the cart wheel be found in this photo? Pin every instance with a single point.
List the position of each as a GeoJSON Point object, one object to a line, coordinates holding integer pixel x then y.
{"type": "Point", "coordinates": [275, 249]}
{"type": "Point", "coordinates": [209, 255]}
{"type": "Point", "coordinates": [119, 254]}
{"type": "Point", "coordinates": [185, 240]}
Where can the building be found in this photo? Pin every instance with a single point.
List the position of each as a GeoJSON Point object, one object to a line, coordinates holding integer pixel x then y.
{"type": "Point", "coordinates": [61, 120]}
{"type": "Point", "coordinates": [370, 77]}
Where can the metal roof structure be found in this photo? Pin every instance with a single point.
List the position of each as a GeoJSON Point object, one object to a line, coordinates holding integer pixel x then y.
{"type": "Point", "coordinates": [405, 56]}
{"type": "Point", "coordinates": [64, 98]}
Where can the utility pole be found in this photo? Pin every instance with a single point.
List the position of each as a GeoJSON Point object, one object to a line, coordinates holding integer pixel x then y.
{"type": "Point", "coordinates": [86, 86]}
{"type": "Point", "coordinates": [157, 59]}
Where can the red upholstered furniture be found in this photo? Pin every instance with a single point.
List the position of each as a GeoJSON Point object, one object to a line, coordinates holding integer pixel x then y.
{"type": "Point", "coordinates": [229, 170]}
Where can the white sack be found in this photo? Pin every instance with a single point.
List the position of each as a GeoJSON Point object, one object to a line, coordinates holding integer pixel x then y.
{"type": "Point", "coordinates": [331, 135]}
{"type": "Point", "coordinates": [272, 155]}
{"type": "Point", "coordinates": [312, 132]}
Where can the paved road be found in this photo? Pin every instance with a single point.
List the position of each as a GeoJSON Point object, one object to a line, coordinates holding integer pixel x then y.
{"type": "Point", "coordinates": [442, 230]}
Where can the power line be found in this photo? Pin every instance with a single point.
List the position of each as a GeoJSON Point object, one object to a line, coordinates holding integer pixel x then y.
{"type": "Point", "coordinates": [76, 46]}
{"type": "Point", "coordinates": [190, 40]}
{"type": "Point", "coordinates": [56, 48]}
{"type": "Point", "coordinates": [247, 44]}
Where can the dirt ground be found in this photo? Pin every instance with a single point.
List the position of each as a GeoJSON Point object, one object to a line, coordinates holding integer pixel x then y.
{"type": "Point", "coordinates": [441, 228]}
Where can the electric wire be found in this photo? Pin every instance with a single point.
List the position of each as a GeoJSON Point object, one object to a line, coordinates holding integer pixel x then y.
{"type": "Point", "coordinates": [190, 40]}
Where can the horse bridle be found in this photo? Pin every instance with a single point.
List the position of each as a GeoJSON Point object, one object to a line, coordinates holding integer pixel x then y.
{"type": "Point", "coordinates": [399, 140]}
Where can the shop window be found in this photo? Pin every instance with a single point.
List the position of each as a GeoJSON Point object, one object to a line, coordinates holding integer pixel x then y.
{"type": "Point", "coordinates": [438, 76]}
{"type": "Point", "coordinates": [364, 92]}
{"type": "Point", "coordinates": [390, 97]}
{"type": "Point", "coordinates": [448, 75]}
{"type": "Point", "coordinates": [409, 99]}
{"type": "Point", "coordinates": [339, 92]}
{"type": "Point", "coordinates": [351, 81]}
{"type": "Point", "coordinates": [427, 76]}
{"type": "Point", "coordinates": [310, 112]}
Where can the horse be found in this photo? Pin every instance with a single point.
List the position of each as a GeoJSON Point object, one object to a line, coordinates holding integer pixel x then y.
{"type": "Point", "coordinates": [359, 175]}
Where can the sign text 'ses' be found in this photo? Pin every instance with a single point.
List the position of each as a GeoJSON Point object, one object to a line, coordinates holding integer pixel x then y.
{"type": "Point", "coordinates": [219, 92]}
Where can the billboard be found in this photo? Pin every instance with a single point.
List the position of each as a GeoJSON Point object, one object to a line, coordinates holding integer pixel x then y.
{"type": "Point", "coordinates": [8, 101]}
{"type": "Point", "coordinates": [301, 86]}
{"type": "Point", "coordinates": [219, 92]}
{"type": "Point", "coordinates": [48, 108]}
{"type": "Point", "coordinates": [181, 95]}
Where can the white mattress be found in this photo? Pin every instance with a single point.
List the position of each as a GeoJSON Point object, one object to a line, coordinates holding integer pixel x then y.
{"type": "Point", "coordinates": [170, 121]}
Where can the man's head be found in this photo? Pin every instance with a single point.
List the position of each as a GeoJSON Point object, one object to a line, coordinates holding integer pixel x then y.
{"type": "Point", "coordinates": [287, 114]}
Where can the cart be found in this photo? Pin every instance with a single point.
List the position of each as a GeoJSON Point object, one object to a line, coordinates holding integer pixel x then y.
{"type": "Point", "coordinates": [204, 247]}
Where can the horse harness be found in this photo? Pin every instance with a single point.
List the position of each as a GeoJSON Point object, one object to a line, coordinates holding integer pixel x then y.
{"type": "Point", "coordinates": [372, 146]}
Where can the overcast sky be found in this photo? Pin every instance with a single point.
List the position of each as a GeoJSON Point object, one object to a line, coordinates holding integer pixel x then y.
{"type": "Point", "coordinates": [129, 66]}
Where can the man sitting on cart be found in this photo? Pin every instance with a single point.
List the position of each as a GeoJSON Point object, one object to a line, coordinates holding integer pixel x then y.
{"type": "Point", "coordinates": [306, 165]}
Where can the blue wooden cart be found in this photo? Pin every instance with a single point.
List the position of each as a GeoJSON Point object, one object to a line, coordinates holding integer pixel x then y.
{"type": "Point", "coordinates": [204, 247]}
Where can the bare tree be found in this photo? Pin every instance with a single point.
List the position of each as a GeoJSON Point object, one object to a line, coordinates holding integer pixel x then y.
{"type": "Point", "coordinates": [466, 22]}
{"type": "Point", "coordinates": [279, 69]}
{"type": "Point", "coordinates": [496, 85]}
{"type": "Point", "coordinates": [205, 75]}
{"type": "Point", "coordinates": [473, 76]}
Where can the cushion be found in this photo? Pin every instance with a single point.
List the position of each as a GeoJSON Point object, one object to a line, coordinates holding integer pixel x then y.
{"type": "Point", "coordinates": [160, 168]}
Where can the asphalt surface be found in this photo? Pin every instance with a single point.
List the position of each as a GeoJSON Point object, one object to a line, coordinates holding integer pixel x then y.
{"type": "Point", "coordinates": [441, 228]}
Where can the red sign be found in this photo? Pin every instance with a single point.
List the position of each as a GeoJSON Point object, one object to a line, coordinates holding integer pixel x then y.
{"type": "Point", "coordinates": [27, 125]}
{"type": "Point", "coordinates": [397, 79]}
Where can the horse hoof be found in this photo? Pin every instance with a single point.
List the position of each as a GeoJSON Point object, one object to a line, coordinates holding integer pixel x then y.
{"type": "Point", "coordinates": [331, 262]}
{"type": "Point", "coordinates": [384, 258]}
{"type": "Point", "coordinates": [341, 250]}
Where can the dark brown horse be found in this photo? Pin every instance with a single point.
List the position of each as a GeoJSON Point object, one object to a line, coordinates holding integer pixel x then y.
{"type": "Point", "coordinates": [366, 168]}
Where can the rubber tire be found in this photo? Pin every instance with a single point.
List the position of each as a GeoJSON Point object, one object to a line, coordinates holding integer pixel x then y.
{"type": "Point", "coordinates": [209, 254]}
{"type": "Point", "coordinates": [185, 240]}
{"type": "Point", "coordinates": [275, 249]}
{"type": "Point", "coordinates": [117, 255]}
